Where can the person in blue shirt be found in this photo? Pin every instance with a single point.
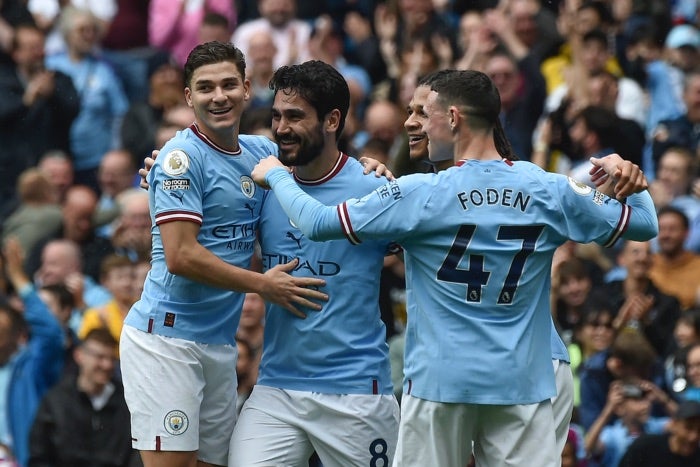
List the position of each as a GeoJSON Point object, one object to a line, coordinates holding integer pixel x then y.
{"type": "Point", "coordinates": [478, 241]}
{"type": "Point", "coordinates": [31, 357]}
{"type": "Point", "coordinates": [178, 347]}
{"type": "Point", "coordinates": [324, 383]}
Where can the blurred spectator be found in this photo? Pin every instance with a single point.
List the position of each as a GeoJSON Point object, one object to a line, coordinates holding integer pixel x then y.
{"type": "Point", "coordinates": [593, 133]}
{"type": "Point", "coordinates": [679, 131]}
{"type": "Point", "coordinates": [475, 40]}
{"type": "Point", "coordinates": [603, 91]}
{"type": "Point", "coordinates": [12, 14]}
{"type": "Point", "coordinates": [384, 122]}
{"type": "Point", "coordinates": [651, 64]}
{"type": "Point", "coordinates": [260, 63]}
{"type": "Point", "coordinates": [570, 456]}
{"type": "Point", "coordinates": [522, 91]}
{"type": "Point", "coordinates": [37, 215]}
{"type": "Point", "coordinates": [686, 335]}
{"type": "Point", "coordinates": [631, 402]}
{"type": "Point", "coordinates": [102, 100]}
{"type": "Point", "coordinates": [592, 58]}
{"type": "Point", "coordinates": [58, 168]}
{"type": "Point", "coordinates": [84, 420]}
{"type": "Point", "coordinates": [175, 26]}
{"type": "Point", "coordinates": [61, 264]}
{"type": "Point", "coordinates": [290, 34]}
{"type": "Point", "coordinates": [638, 301]}
{"type": "Point", "coordinates": [571, 289]}
{"type": "Point", "coordinates": [594, 334]}
{"type": "Point", "coordinates": [252, 325]}
{"type": "Point", "coordinates": [36, 111]}
{"type": "Point", "coordinates": [47, 15]}
{"type": "Point", "coordinates": [61, 302]}
{"type": "Point", "coordinates": [412, 44]}
{"type": "Point", "coordinates": [675, 176]}
{"type": "Point", "coordinates": [246, 372]}
{"type": "Point", "coordinates": [116, 174]}
{"type": "Point", "coordinates": [678, 447]}
{"type": "Point", "coordinates": [326, 43]}
{"type": "Point", "coordinates": [125, 46]}
{"type": "Point", "coordinates": [131, 233]}
{"type": "Point", "coordinates": [631, 357]}
{"type": "Point", "coordinates": [361, 44]}
{"type": "Point", "coordinates": [214, 27]}
{"type": "Point", "coordinates": [142, 119]}
{"type": "Point", "coordinates": [692, 373]}
{"type": "Point", "coordinates": [117, 277]}
{"type": "Point", "coordinates": [78, 226]}
{"type": "Point", "coordinates": [675, 270]}
{"type": "Point", "coordinates": [31, 357]}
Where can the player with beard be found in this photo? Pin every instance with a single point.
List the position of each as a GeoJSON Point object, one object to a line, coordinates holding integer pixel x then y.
{"type": "Point", "coordinates": [178, 354]}
{"type": "Point", "coordinates": [324, 382]}
{"type": "Point", "coordinates": [460, 227]}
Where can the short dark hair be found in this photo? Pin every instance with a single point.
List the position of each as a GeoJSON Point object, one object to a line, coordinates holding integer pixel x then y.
{"type": "Point", "coordinates": [478, 97]}
{"type": "Point", "coordinates": [101, 336]}
{"type": "Point", "coordinates": [318, 83]}
{"type": "Point", "coordinates": [674, 210]}
{"type": "Point", "coordinates": [602, 122]}
{"type": "Point", "coordinates": [213, 52]}
{"type": "Point", "coordinates": [63, 295]}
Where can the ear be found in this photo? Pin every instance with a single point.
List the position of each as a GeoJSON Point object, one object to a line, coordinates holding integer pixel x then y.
{"type": "Point", "coordinates": [188, 97]}
{"type": "Point", "coordinates": [246, 88]}
{"type": "Point", "coordinates": [455, 117]}
{"type": "Point", "coordinates": [332, 121]}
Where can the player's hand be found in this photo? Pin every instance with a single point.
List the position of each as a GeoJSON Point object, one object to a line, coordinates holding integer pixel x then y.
{"type": "Point", "coordinates": [616, 177]}
{"type": "Point", "coordinates": [289, 291]}
{"type": "Point", "coordinates": [373, 165]}
{"type": "Point", "coordinates": [147, 166]}
{"type": "Point", "coordinates": [263, 167]}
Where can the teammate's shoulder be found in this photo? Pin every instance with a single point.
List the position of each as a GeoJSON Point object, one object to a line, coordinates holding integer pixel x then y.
{"type": "Point", "coordinates": [257, 142]}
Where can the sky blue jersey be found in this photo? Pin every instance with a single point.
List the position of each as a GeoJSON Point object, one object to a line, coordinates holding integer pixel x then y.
{"type": "Point", "coordinates": [478, 241]}
{"type": "Point", "coordinates": [342, 349]}
{"type": "Point", "coordinates": [196, 181]}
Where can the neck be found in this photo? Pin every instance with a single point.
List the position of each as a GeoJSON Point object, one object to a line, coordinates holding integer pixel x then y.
{"type": "Point", "coordinates": [476, 147]}
{"type": "Point", "coordinates": [226, 138]}
{"type": "Point", "coordinates": [321, 165]}
{"type": "Point", "coordinates": [634, 285]}
{"type": "Point", "coordinates": [88, 387]}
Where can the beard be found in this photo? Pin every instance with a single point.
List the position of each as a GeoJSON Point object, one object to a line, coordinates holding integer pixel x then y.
{"type": "Point", "coordinates": [307, 150]}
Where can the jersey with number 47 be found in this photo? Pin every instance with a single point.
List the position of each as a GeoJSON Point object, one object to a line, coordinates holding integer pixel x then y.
{"type": "Point", "coordinates": [478, 241]}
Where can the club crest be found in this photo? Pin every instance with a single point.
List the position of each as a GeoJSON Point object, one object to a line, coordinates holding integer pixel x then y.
{"type": "Point", "coordinates": [247, 186]}
{"type": "Point", "coordinates": [176, 422]}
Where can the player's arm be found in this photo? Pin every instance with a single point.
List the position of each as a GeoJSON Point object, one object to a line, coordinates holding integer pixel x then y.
{"type": "Point", "coordinates": [317, 221]}
{"type": "Point", "coordinates": [185, 256]}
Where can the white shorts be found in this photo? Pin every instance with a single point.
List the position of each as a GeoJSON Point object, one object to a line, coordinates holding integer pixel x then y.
{"type": "Point", "coordinates": [278, 427]}
{"type": "Point", "coordinates": [563, 402]}
{"type": "Point", "coordinates": [441, 434]}
{"type": "Point", "coordinates": [181, 394]}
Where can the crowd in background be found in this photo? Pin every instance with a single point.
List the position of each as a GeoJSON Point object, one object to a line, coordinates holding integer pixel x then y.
{"type": "Point", "coordinates": [90, 87]}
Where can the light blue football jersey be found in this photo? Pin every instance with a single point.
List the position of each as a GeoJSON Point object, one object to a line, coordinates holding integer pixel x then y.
{"type": "Point", "coordinates": [194, 180]}
{"type": "Point", "coordinates": [478, 241]}
{"type": "Point", "coordinates": [342, 349]}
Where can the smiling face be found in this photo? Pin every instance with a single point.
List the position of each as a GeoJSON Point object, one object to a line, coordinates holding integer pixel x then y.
{"type": "Point", "coordinates": [296, 128]}
{"type": "Point", "coordinates": [417, 139]}
{"type": "Point", "coordinates": [217, 94]}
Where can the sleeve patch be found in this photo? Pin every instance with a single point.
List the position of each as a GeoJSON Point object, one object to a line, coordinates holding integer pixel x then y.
{"type": "Point", "coordinates": [176, 184]}
{"type": "Point", "coordinates": [578, 187]}
{"type": "Point", "coordinates": [176, 163]}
